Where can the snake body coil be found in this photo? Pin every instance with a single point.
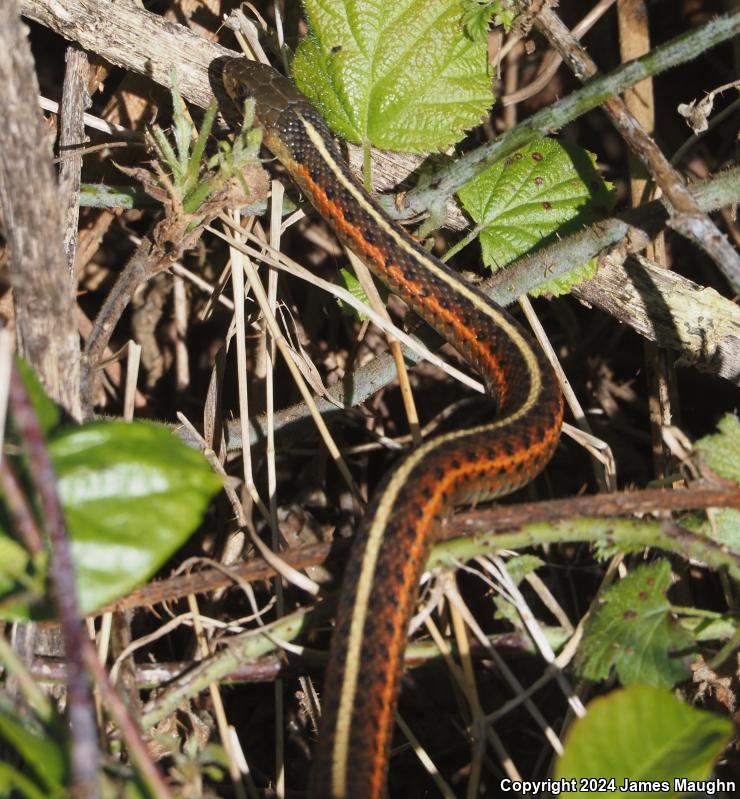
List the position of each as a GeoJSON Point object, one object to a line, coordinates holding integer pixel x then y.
{"type": "Point", "coordinates": [381, 579]}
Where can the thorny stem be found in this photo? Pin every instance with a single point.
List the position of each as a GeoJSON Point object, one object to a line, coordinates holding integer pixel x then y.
{"type": "Point", "coordinates": [469, 523]}
{"type": "Point", "coordinates": [620, 532]}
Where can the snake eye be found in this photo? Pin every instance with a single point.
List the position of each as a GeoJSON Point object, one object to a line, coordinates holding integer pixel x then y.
{"type": "Point", "coordinates": [242, 91]}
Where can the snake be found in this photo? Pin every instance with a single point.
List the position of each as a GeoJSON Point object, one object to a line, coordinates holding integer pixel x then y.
{"type": "Point", "coordinates": [380, 584]}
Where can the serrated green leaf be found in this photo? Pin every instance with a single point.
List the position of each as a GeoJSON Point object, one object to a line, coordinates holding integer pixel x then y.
{"type": "Point", "coordinates": [546, 190]}
{"type": "Point", "coordinates": [635, 631]}
{"type": "Point", "coordinates": [641, 733]}
{"type": "Point", "coordinates": [131, 493]}
{"type": "Point", "coordinates": [399, 74]}
{"type": "Point", "coordinates": [477, 18]}
{"type": "Point", "coordinates": [47, 413]}
{"type": "Point", "coordinates": [479, 13]}
{"type": "Point", "coordinates": [721, 451]}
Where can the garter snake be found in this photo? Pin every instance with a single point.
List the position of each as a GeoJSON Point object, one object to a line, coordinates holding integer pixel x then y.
{"type": "Point", "coordinates": [381, 578]}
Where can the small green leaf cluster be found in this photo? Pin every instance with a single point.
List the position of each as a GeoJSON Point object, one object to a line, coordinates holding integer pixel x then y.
{"type": "Point", "coordinates": [192, 177]}
{"type": "Point", "coordinates": [479, 14]}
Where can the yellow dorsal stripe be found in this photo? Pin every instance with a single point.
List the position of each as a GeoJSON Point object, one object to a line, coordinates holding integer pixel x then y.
{"type": "Point", "coordinates": [400, 477]}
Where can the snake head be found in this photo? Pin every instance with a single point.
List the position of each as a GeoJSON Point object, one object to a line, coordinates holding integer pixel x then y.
{"type": "Point", "coordinates": [273, 93]}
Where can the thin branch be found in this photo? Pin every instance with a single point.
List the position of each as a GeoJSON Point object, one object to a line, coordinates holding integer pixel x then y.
{"type": "Point", "coordinates": [552, 60]}
{"type": "Point", "coordinates": [75, 100]}
{"type": "Point", "coordinates": [129, 37]}
{"type": "Point", "coordinates": [687, 218]}
{"type": "Point", "coordinates": [139, 268]}
{"type": "Point", "coordinates": [471, 522]}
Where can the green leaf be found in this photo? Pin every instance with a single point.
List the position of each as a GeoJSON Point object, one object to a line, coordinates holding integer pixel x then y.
{"type": "Point", "coordinates": [347, 279]}
{"type": "Point", "coordinates": [725, 529]}
{"type": "Point", "coordinates": [36, 744]}
{"type": "Point", "coordinates": [711, 629]}
{"type": "Point", "coordinates": [477, 18]}
{"type": "Point", "coordinates": [546, 190]}
{"type": "Point", "coordinates": [521, 565]}
{"type": "Point", "coordinates": [518, 568]}
{"type": "Point", "coordinates": [479, 13]}
{"type": "Point", "coordinates": [45, 409]}
{"type": "Point", "coordinates": [200, 144]}
{"type": "Point", "coordinates": [641, 733]}
{"type": "Point", "coordinates": [400, 74]}
{"type": "Point", "coordinates": [721, 452]}
{"type": "Point", "coordinates": [131, 493]}
{"type": "Point", "coordinates": [100, 195]}
{"type": "Point", "coordinates": [14, 784]}
{"type": "Point", "coordinates": [14, 561]}
{"type": "Point", "coordinates": [635, 631]}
